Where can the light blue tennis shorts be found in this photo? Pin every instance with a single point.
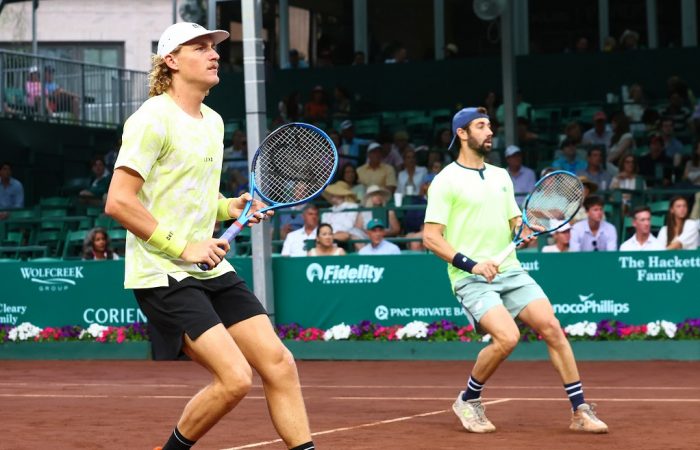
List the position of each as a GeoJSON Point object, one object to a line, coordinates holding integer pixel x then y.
{"type": "Point", "coordinates": [514, 289]}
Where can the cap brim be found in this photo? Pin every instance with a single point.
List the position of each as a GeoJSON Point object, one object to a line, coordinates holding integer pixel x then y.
{"type": "Point", "coordinates": [452, 143]}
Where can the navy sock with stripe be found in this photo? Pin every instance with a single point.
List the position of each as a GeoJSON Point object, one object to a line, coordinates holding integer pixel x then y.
{"type": "Point", "coordinates": [307, 446]}
{"type": "Point", "coordinates": [575, 392]}
{"type": "Point", "coordinates": [178, 442]}
{"type": "Point", "coordinates": [474, 388]}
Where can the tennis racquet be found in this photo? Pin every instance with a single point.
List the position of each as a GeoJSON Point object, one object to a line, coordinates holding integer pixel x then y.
{"type": "Point", "coordinates": [553, 202]}
{"type": "Point", "coordinates": [291, 166]}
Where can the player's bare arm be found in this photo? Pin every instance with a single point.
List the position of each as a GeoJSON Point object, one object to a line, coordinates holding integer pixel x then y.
{"type": "Point", "coordinates": [434, 240]}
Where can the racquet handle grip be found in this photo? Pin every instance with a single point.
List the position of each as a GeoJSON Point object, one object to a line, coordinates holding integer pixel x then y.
{"type": "Point", "coordinates": [498, 259]}
{"type": "Point", "coordinates": [230, 234]}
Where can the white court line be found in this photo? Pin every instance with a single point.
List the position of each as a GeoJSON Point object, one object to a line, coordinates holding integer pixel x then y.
{"type": "Point", "coordinates": [526, 399]}
{"type": "Point", "coordinates": [364, 425]}
{"type": "Point", "coordinates": [157, 397]}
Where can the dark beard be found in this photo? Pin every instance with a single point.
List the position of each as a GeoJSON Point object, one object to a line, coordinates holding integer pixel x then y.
{"type": "Point", "coordinates": [479, 149]}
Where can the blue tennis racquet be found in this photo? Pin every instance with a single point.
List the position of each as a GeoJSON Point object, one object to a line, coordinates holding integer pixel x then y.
{"type": "Point", "coordinates": [553, 202]}
{"type": "Point", "coordinates": [291, 166]}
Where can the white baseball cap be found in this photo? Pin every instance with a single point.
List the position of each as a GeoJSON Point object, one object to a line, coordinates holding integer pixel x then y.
{"type": "Point", "coordinates": [179, 33]}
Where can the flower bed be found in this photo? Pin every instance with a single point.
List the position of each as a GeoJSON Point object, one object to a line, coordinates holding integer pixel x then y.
{"type": "Point", "coordinates": [135, 332]}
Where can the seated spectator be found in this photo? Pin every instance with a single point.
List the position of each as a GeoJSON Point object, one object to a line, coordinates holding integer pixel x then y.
{"type": "Point", "coordinates": [374, 171]}
{"type": "Point", "coordinates": [522, 109]}
{"type": "Point", "coordinates": [13, 97]}
{"type": "Point", "coordinates": [291, 220]}
{"type": "Point", "coordinates": [378, 197]}
{"type": "Point", "coordinates": [451, 51]}
{"type": "Point", "coordinates": [672, 146]}
{"type": "Point", "coordinates": [525, 135]}
{"type": "Point", "coordinates": [677, 112]}
{"type": "Point", "coordinates": [628, 178]}
{"type": "Point", "coordinates": [574, 133]}
{"type": "Point", "coordinates": [595, 170]}
{"type": "Point", "coordinates": [342, 104]}
{"type": "Point", "coordinates": [622, 141]}
{"type": "Point", "coordinates": [523, 177]}
{"type": "Point", "coordinates": [416, 246]}
{"type": "Point", "coordinates": [600, 134]}
{"type": "Point", "coordinates": [59, 99]}
{"type": "Point", "coordinates": [561, 237]}
{"type": "Point", "coordinates": [594, 234]}
{"type": "Point", "coordinates": [636, 104]}
{"type": "Point", "coordinates": [655, 166]}
{"type": "Point", "coordinates": [400, 55]}
{"type": "Point", "coordinates": [411, 177]}
{"type": "Point", "coordinates": [33, 92]}
{"type": "Point", "coordinates": [343, 222]}
{"type": "Point", "coordinates": [629, 40]}
{"type": "Point", "coordinates": [324, 243]}
{"type": "Point", "coordinates": [296, 61]}
{"type": "Point", "coordinates": [295, 242]}
{"type": "Point", "coordinates": [316, 109]}
{"type": "Point", "coordinates": [349, 150]}
{"type": "Point", "coordinates": [434, 169]}
{"type": "Point", "coordinates": [679, 232]}
{"type": "Point", "coordinates": [97, 245]}
{"type": "Point", "coordinates": [99, 184]}
{"type": "Point", "coordinates": [290, 108]}
{"type": "Point", "coordinates": [11, 191]}
{"type": "Point", "coordinates": [348, 174]}
{"type": "Point", "coordinates": [378, 245]}
{"type": "Point", "coordinates": [642, 240]}
{"type": "Point", "coordinates": [691, 173]}
{"type": "Point", "coordinates": [569, 158]}
{"type": "Point", "coordinates": [236, 155]}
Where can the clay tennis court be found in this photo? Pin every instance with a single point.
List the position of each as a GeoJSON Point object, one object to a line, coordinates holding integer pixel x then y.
{"type": "Point", "coordinates": [352, 405]}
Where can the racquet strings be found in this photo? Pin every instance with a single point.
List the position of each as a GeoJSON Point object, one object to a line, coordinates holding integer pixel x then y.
{"type": "Point", "coordinates": [554, 200]}
{"type": "Point", "coordinates": [293, 164]}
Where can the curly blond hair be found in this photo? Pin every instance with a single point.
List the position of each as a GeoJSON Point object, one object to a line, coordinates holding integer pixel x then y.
{"type": "Point", "coordinates": [160, 77]}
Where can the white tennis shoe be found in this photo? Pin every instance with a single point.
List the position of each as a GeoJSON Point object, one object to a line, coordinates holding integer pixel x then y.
{"type": "Point", "coordinates": [472, 415]}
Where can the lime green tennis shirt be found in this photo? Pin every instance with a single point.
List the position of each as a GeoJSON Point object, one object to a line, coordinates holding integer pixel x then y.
{"type": "Point", "coordinates": [179, 158]}
{"type": "Point", "coordinates": [475, 207]}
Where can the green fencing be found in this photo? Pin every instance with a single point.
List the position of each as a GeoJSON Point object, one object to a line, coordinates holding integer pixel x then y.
{"type": "Point", "coordinates": [631, 287]}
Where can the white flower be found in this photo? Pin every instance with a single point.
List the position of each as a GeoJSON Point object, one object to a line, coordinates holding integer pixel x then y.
{"type": "Point", "coordinates": [416, 329]}
{"type": "Point", "coordinates": [669, 328]}
{"type": "Point", "coordinates": [486, 338]}
{"type": "Point", "coordinates": [590, 328]}
{"type": "Point", "coordinates": [95, 330]}
{"type": "Point", "coordinates": [23, 332]}
{"type": "Point", "coordinates": [337, 332]}
{"type": "Point", "coordinates": [653, 328]}
{"type": "Point", "coordinates": [578, 329]}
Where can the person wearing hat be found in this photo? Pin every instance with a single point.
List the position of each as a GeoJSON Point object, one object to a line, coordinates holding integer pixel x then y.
{"type": "Point", "coordinates": [523, 178]}
{"type": "Point", "coordinates": [349, 149]}
{"type": "Point", "coordinates": [374, 171]}
{"type": "Point", "coordinates": [376, 230]}
{"type": "Point", "coordinates": [600, 134]}
{"type": "Point", "coordinates": [341, 198]}
{"type": "Point", "coordinates": [377, 198]}
{"type": "Point", "coordinates": [470, 218]}
{"type": "Point", "coordinates": [561, 238]}
{"type": "Point", "coordinates": [165, 192]}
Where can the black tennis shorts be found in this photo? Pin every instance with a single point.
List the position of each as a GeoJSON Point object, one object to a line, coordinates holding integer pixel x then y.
{"type": "Point", "coordinates": [193, 306]}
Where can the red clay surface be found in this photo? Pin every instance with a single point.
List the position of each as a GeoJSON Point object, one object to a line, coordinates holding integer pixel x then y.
{"type": "Point", "coordinates": [352, 405]}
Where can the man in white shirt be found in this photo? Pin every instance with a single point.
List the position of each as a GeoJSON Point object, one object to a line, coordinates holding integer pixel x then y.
{"type": "Point", "coordinates": [295, 242]}
{"type": "Point", "coordinates": [642, 240]}
{"type": "Point", "coordinates": [378, 245]}
{"type": "Point", "coordinates": [562, 236]}
{"type": "Point", "coordinates": [595, 233]}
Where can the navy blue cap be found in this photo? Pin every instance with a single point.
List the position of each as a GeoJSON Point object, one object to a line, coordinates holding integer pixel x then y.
{"type": "Point", "coordinates": [463, 118]}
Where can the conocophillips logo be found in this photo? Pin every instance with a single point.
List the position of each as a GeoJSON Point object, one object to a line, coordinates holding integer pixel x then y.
{"type": "Point", "coordinates": [337, 274]}
{"type": "Point", "coordinates": [589, 306]}
{"type": "Point", "coordinates": [52, 279]}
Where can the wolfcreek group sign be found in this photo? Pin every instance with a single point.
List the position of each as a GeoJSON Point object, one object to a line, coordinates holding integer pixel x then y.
{"type": "Point", "coordinates": [631, 287]}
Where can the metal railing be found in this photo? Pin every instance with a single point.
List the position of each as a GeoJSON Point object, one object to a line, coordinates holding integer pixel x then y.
{"type": "Point", "coordinates": [59, 90]}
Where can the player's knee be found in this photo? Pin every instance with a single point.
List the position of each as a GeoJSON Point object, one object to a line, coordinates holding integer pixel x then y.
{"type": "Point", "coordinates": [551, 330]}
{"type": "Point", "coordinates": [283, 364]}
{"type": "Point", "coordinates": [235, 385]}
{"type": "Point", "coordinates": [506, 343]}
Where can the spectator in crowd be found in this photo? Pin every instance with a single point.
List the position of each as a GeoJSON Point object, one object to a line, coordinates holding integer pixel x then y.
{"type": "Point", "coordinates": [11, 190]}
{"type": "Point", "coordinates": [411, 177]}
{"type": "Point", "coordinates": [296, 61]}
{"type": "Point", "coordinates": [695, 121]}
{"type": "Point", "coordinates": [491, 107]}
{"type": "Point", "coordinates": [600, 134]}
{"type": "Point", "coordinates": [523, 177]}
{"type": "Point", "coordinates": [97, 245]}
{"type": "Point", "coordinates": [676, 84]}
{"type": "Point", "coordinates": [290, 219]}
{"type": "Point", "coordinates": [594, 234]}
{"type": "Point", "coordinates": [374, 171]}
{"type": "Point", "coordinates": [650, 120]}
{"type": "Point", "coordinates": [561, 237]}
{"type": "Point", "coordinates": [59, 100]}
{"type": "Point", "coordinates": [678, 113]}
{"type": "Point", "coordinates": [377, 198]}
{"type": "Point", "coordinates": [581, 45]}
{"type": "Point", "coordinates": [573, 132]}
{"type": "Point", "coordinates": [609, 44]}
{"type": "Point", "coordinates": [656, 162]}
{"type": "Point", "coordinates": [691, 173]}
{"type": "Point", "coordinates": [417, 244]}
{"type": "Point", "coordinates": [399, 56]}
{"type": "Point", "coordinates": [316, 109]}
{"type": "Point", "coordinates": [290, 108]}
{"type": "Point", "coordinates": [636, 104]}
{"type": "Point", "coordinates": [350, 144]}
{"type": "Point", "coordinates": [341, 104]}
{"type": "Point", "coordinates": [111, 156]}
{"type": "Point", "coordinates": [522, 109]}
{"type": "Point", "coordinates": [295, 242]}
{"type": "Point", "coordinates": [324, 242]}
{"type": "Point", "coordinates": [525, 135]}
{"type": "Point", "coordinates": [359, 59]}
{"type": "Point", "coordinates": [621, 141]}
{"type": "Point", "coordinates": [595, 170]}
{"type": "Point", "coordinates": [236, 183]}
{"type": "Point", "coordinates": [451, 51]}
{"type": "Point", "coordinates": [325, 58]}
{"type": "Point", "coordinates": [642, 240]}
{"type": "Point", "coordinates": [348, 174]}
{"type": "Point", "coordinates": [392, 153]}
{"type": "Point", "coordinates": [378, 245]}
{"type": "Point", "coordinates": [440, 146]}
{"type": "Point", "coordinates": [341, 199]}
{"type": "Point", "coordinates": [34, 92]}
{"type": "Point", "coordinates": [672, 146]}
{"type": "Point", "coordinates": [99, 184]}
{"type": "Point", "coordinates": [13, 97]}
{"type": "Point", "coordinates": [589, 188]}
{"type": "Point", "coordinates": [629, 40]}
{"type": "Point", "coordinates": [628, 178]}
{"type": "Point", "coordinates": [569, 158]}
{"type": "Point", "coordinates": [236, 155]}
{"type": "Point", "coordinates": [679, 232]}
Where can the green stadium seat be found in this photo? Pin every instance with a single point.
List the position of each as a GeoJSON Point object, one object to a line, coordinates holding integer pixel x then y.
{"type": "Point", "coordinates": [58, 212]}
{"type": "Point", "coordinates": [55, 203]}
{"type": "Point", "coordinates": [13, 238]}
{"type": "Point", "coordinates": [106, 222]}
{"type": "Point", "coordinates": [74, 185]}
{"type": "Point", "coordinates": [659, 208]}
{"type": "Point", "coordinates": [117, 237]}
{"type": "Point", "coordinates": [94, 211]}
{"type": "Point", "coordinates": [73, 244]}
{"type": "Point", "coordinates": [51, 239]}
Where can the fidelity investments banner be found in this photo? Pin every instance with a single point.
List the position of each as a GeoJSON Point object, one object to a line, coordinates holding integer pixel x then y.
{"type": "Point", "coordinates": [630, 287]}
